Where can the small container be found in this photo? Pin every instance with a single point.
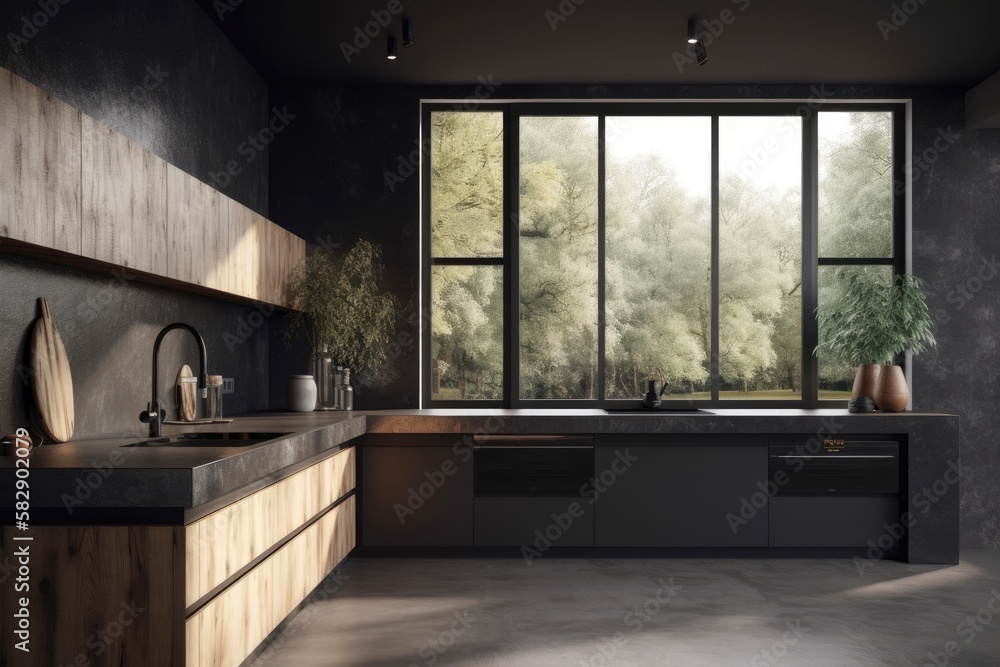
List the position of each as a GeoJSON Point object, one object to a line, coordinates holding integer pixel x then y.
{"type": "Point", "coordinates": [213, 404]}
{"type": "Point", "coordinates": [301, 393]}
{"type": "Point", "coordinates": [345, 395]}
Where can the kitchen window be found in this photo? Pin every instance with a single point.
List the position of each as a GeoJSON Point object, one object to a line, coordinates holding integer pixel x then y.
{"type": "Point", "coordinates": [700, 242]}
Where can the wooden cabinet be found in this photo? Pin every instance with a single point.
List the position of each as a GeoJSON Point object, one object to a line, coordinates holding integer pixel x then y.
{"type": "Point", "coordinates": [71, 185]}
{"type": "Point", "coordinates": [261, 556]}
{"type": "Point", "coordinates": [416, 496]}
{"type": "Point", "coordinates": [203, 595]}
{"type": "Point", "coordinates": [40, 176]}
{"type": "Point", "coordinates": [678, 496]}
{"type": "Point", "coordinates": [124, 201]}
{"type": "Point", "coordinates": [197, 232]}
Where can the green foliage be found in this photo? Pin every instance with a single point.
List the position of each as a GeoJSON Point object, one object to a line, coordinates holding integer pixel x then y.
{"type": "Point", "coordinates": [342, 308]}
{"type": "Point", "coordinates": [876, 320]}
{"type": "Point", "coordinates": [658, 259]}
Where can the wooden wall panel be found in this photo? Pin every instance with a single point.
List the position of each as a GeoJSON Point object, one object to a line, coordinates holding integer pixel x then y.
{"type": "Point", "coordinates": [230, 538]}
{"type": "Point", "coordinates": [109, 597]}
{"type": "Point", "coordinates": [240, 618]}
{"type": "Point", "coordinates": [40, 177]}
{"type": "Point", "coordinates": [124, 201]}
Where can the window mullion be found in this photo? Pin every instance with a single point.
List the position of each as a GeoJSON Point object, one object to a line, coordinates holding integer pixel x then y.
{"type": "Point", "coordinates": [601, 255]}
{"type": "Point", "coordinates": [716, 381]}
{"type": "Point", "coordinates": [810, 258]}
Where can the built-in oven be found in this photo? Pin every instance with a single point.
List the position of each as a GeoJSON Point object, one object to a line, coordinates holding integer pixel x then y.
{"type": "Point", "coordinates": [835, 466]}
{"type": "Point", "coordinates": [532, 465]}
{"type": "Point", "coordinates": [531, 491]}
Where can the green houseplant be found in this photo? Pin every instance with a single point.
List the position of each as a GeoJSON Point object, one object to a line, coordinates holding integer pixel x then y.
{"type": "Point", "coordinates": [343, 310]}
{"type": "Point", "coordinates": [869, 325]}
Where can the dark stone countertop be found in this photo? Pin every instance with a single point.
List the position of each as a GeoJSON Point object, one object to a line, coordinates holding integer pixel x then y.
{"type": "Point", "coordinates": [102, 473]}
{"type": "Point", "coordinates": [74, 478]}
{"type": "Point", "coordinates": [712, 421]}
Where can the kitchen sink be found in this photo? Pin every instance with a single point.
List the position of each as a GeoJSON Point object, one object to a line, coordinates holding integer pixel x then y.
{"type": "Point", "coordinates": [656, 411]}
{"type": "Point", "coordinates": [228, 439]}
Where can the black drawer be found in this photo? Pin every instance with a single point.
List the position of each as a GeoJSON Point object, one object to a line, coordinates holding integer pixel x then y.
{"type": "Point", "coordinates": [832, 522]}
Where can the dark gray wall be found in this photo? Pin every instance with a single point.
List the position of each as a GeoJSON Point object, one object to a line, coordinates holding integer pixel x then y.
{"type": "Point", "coordinates": [328, 183]}
{"type": "Point", "coordinates": [108, 324]}
{"type": "Point", "coordinates": [98, 56]}
{"type": "Point", "coordinates": [93, 55]}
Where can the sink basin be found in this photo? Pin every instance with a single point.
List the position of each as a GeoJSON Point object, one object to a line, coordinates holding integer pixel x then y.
{"type": "Point", "coordinates": [229, 439]}
{"type": "Point", "coordinates": [657, 411]}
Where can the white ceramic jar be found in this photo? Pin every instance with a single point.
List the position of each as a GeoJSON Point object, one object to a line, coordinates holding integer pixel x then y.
{"type": "Point", "coordinates": [301, 393]}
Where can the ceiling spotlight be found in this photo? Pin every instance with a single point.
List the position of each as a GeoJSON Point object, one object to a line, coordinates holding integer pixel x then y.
{"type": "Point", "coordinates": [407, 32]}
{"type": "Point", "coordinates": [692, 31]}
{"type": "Point", "coordinates": [700, 53]}
{"type": "Point", "coordinates": [391, 54]}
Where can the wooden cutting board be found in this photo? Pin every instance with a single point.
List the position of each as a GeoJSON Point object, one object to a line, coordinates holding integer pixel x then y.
{"type": "Point", "coordinates": [187, 394]}
{"type": "Point", "coordinates": [52, 383]}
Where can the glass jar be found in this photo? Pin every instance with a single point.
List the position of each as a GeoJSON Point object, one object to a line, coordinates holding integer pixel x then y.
{"type": "Point", "coordinates": [213, 403]}
{"type": "Point", "coordinates": [326, 389]}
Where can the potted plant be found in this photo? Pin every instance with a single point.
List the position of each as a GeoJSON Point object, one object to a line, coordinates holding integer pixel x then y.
{"type": "Point", "coordinates": [870, 324]}
{"type": "Point", "coordinates": [343, 311]}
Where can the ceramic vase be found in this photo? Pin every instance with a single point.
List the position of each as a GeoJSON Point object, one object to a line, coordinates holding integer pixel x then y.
{"type": "Point", "coordinates": [301, 393]}
{"type": "Point", "coordinates": [891, 392]}
{"type": "Point", "coordinates": [865, 381]}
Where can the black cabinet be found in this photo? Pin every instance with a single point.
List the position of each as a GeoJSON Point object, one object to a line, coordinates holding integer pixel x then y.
{"type": "Point", "coordinates": [416, 495]}
{"type": "Point", "coordinates": [538, 523]}
{"type": "Point", "coordinates": [703, 494]}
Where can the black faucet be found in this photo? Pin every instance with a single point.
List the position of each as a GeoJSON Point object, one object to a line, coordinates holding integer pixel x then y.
{"type": "Point", "coordinates": [153, 414]}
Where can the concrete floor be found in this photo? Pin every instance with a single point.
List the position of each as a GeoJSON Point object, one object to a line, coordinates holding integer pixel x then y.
{"type": "Point", "coordinates": [422, 612]}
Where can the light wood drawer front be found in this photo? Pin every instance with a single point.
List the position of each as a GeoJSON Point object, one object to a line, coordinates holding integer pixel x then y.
{"type": "Point", "coordinates": [223, 542]}
{"type": "Point", "coordinates": [227, 629]}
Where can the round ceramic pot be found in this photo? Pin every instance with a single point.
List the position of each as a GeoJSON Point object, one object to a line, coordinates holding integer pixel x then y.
{"type": "Point", "coordinates": [891, 392]}
{"type": "Point", "coordinates": [301, 393]}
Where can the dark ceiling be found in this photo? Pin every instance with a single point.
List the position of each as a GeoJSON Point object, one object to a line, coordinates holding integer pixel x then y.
{"type": "Point", "coordinates": [621, 41]}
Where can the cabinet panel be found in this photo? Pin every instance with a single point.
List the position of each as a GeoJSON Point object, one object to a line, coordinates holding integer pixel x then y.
{"type": "Point", "coordinates": [40, 177]}
{"type": "Point", "coordinates": [226, 540]}
{"type": "Point", "coordinates": [516, 522]}
{"type": "Point", "coordinates": [416, 496]}
{"type": "Point", "coordinates": [194, 214]}
{"type": "Point", "coordinates": [240, 618]}
{"type": "Point", "coordinates": [124, 201]}
{"type": "Point", "coordinates": [832, 522]}
{"type": "Point", "coordinates": [243, 260]}
{"type": "Point", "coordinates": [283, 252]}
{"type": "Point", "coordinates": [679, 496]}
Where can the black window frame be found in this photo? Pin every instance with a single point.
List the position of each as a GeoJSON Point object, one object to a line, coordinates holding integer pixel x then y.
{"type": "Point", "coordinates": [514, 111]}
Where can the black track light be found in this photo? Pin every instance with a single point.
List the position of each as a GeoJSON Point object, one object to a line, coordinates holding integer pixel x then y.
{"type": "Point", "coordinates": [692, 31]}
{"type": "Point", "coordinates": [699, 52]}
{"type": "Point", "coordinates": [407, 32]}
{"type": "Point", "coordinates": [391, 53]}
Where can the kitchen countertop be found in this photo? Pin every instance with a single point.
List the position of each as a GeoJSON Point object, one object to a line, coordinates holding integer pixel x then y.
{"type": "Point", "coordinates": [94, 475]}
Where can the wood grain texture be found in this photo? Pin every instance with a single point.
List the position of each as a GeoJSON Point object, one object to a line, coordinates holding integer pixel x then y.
{"type": "Point", "coordinates": [187, 394]}
{"type": "Point", "coordinates": [243, 260]}
{"type": "Point", "coordinates": [105, 593]}
{"type": "Point", "coordinates": [40, 177]}
{"type": "Point", "coordinates": [194, 214]}
{"type": "Point", "coordinates": [124, 201]}
{"type": "Point", "coordinates": [235, 623]}
{"type": "Point", "coordinates": [229, 539]}
{"type": "Point", "coordinates": [51, 380]}
{"type": "Point", "coordinates": [280, 252]}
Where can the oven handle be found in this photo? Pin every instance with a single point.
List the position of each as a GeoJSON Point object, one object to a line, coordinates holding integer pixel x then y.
{"type": "Point", "coordinates": [533, 447]}
{"type": "Point", "coordinates": [832, 456]}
